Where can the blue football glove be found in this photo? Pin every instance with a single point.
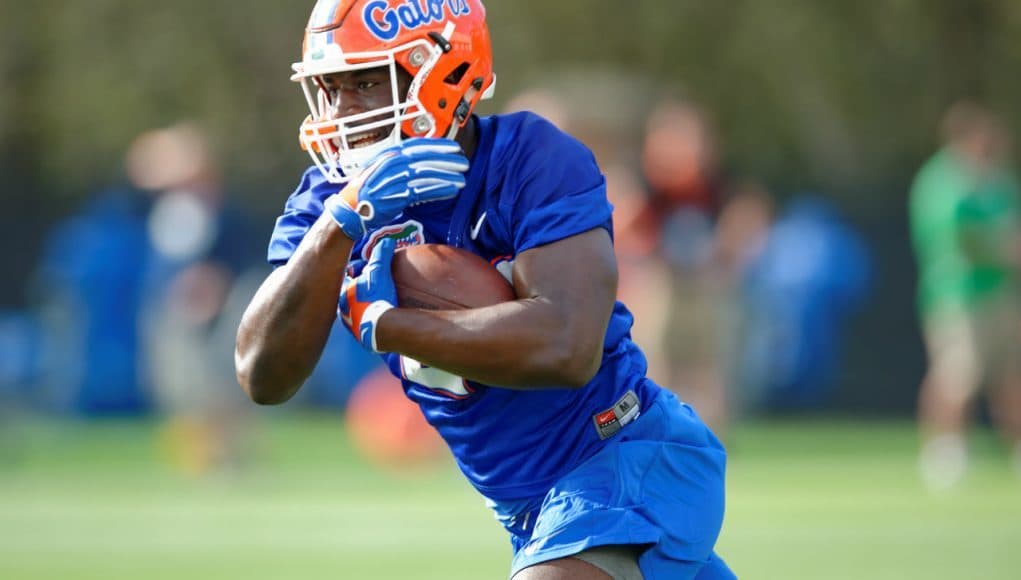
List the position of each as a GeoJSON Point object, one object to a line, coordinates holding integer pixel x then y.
{"type": "Point", "coordinates": [417, 171]}
{"type": "Point", "coordinates": [367, 294]}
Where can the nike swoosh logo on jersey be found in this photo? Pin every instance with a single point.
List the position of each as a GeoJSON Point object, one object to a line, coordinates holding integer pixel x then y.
{"type": "Point", "coordinates": [478, 226]}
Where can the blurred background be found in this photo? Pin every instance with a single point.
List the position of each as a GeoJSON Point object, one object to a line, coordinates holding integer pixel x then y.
{"type": "Point", "coordinates": [817, 229]}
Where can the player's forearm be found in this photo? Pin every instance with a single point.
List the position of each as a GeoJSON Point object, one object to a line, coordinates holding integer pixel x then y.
{"type": "Point", "coordinates": [286, 326]}
{"type": "Point", "coordinates": [525, 344]}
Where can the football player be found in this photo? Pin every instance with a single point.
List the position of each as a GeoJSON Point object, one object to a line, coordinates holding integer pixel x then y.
{"type": "Point", "coordinates": [594, 470]}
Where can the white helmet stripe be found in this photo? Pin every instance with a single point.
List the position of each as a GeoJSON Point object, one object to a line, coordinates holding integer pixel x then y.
{"type": "Point", "coordinates": [322, 14]}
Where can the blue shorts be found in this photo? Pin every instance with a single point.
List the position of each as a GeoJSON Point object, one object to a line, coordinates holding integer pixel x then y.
{"type": "Point", "coordinates": [659, 482]}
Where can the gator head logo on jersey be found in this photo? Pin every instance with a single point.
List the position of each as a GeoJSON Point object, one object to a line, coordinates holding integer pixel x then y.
{"type": "Point", "coordinates": [409, 233]}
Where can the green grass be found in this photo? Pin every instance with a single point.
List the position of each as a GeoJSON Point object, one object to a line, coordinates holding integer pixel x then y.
{"type": "Point", "coordinates": [806, 500]}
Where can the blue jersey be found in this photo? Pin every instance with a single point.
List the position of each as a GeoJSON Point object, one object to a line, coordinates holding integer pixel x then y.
{"type": "Point", "coordinates": [529, 184]}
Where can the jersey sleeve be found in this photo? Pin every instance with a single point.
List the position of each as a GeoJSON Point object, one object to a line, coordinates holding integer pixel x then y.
{"type": "Point", "coordinates": [556, 188]}
{"type": "Point", "coordinates": [302, 209]}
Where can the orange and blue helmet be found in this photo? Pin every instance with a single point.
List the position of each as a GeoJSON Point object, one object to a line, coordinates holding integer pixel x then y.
{"type": "Point", "coordinates": [443, 45]}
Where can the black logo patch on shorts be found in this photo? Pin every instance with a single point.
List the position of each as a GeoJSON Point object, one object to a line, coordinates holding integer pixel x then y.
{"type": "Point", "coordinates": [616, 417]}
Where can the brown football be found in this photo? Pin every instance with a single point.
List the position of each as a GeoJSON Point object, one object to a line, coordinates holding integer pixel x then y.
{"type": "Point", "coordinates": [439, 277]}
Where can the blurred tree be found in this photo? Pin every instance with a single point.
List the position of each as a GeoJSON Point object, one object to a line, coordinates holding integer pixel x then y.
{"type": "Point", "coordinates": [841, 95]}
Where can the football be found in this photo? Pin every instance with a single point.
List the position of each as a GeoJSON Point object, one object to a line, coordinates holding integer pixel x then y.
{"type": "Point", "coordinates": [439, 277]}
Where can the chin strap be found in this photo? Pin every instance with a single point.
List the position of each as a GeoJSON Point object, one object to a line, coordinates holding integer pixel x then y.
{"type": "Point", "coordinates": [454, 129]}
{"type": "Point", "coordinates": [464, 107]}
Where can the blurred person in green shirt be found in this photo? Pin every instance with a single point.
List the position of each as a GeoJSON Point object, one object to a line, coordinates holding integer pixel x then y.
{"type": "Point", "coordinates": [964, 210]}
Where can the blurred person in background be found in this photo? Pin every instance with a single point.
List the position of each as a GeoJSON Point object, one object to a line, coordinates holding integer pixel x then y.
{"type": "Point", "coordinates": [88, 292]}
{"type": "Point", "coordinates": [679, 164]}
{"type": "Point", "coordinates": [740, 236]}
{"type": "Point", "coordinates": [644, 276]}
{"type": "Point", "coordinates": [799, 285]}
{"type": "Point", "coordinates": [965, 228]}
{"type": "Point", "coordinates": [545, 103]}
{"type": "Point", "coordinates": [679, 159]}
{"type": "Point", "coordinates": [593, 470]}
{"type": "Point", "coordinates": [198, 278]}
{"type": "Point", "coordinates": [137, 299]}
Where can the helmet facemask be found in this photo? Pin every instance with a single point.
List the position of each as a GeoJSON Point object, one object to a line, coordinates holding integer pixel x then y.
{"type": "Point", "coordinates": [331, 138]}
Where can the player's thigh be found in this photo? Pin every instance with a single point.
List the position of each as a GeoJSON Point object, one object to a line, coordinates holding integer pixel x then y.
{"type": "Point", "coordinates": [563, 569]}
{"type": "Point", "coordinates": [614, 562]}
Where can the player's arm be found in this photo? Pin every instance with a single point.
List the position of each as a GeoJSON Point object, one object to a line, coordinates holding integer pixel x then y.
{"type": "Point", "coordinates": [551, 337]}
{"type": "Point", "coordinates": [286, 326]}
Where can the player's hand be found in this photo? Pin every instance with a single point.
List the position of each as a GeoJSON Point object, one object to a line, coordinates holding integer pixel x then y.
{"type": "Point", "coordinates": [416, 171]}
{"type": "Point", "coordinates": [368, 293]}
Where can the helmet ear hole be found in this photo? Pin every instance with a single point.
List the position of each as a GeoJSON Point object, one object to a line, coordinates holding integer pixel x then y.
{"type": "Point", "coordinates": [455, 76]}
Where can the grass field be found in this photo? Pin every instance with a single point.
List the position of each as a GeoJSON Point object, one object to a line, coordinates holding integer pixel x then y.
{"type": "Point", "coordinates": [806, 500]}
